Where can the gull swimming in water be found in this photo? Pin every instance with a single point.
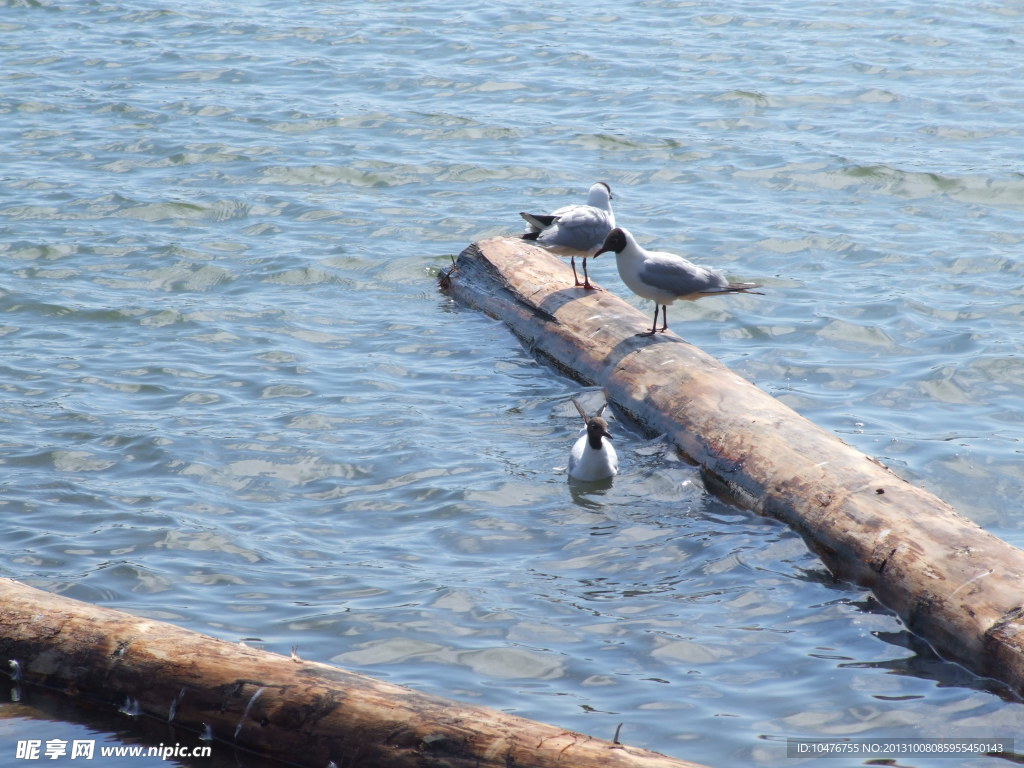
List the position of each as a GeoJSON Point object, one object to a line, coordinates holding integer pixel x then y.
{"type": "Point", "coordinates": [665, 277]}
{"type": "Point", "coordinates": [592, 456]}
{"type": "Point", "coordinates": [575, 229]}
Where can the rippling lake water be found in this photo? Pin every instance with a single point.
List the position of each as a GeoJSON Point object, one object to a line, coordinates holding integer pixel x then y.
{"type": "Point", "coordinates": [233, 398]}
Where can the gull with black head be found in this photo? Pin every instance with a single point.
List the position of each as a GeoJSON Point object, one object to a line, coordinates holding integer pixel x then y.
{"type": "Point", "coordinates": [592, 456]}
{"type": "Point", "coordinates": [574, 229]}
{"type": "Point", "coordinates": [665, 277]}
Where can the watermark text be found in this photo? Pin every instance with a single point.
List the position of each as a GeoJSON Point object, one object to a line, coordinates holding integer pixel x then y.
{"type": "Point", "coordinates": [890, 748]}
{"type": "Point", "coordinates": [86, 749]}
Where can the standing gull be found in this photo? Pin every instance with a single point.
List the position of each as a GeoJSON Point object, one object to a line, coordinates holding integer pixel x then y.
{"type": "Point", "coordinates": [664, 277]}
{"type": "Point", "coordinates": [592, 456]}
{"type": "Point", "coordinates": [575, 229]}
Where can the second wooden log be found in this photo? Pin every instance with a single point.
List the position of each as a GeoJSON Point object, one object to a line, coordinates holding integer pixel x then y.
{"type": "Point", "coordinates": [299, 712]}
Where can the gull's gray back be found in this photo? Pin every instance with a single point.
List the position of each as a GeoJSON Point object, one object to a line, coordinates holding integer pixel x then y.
{"type": "Point", "coordinates": [681, 278]}
{"type": "Point", "coordinates": [580, 228]}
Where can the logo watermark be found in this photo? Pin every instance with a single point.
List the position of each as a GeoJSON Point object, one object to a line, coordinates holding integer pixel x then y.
{"type": "Point", "coordinates": [86, 749]}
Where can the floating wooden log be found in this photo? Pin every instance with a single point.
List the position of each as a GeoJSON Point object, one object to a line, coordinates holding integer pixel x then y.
{"type": "Point", "coordinates": [299, 712]}
{"type": "Point", "coordinates": [952, 583]}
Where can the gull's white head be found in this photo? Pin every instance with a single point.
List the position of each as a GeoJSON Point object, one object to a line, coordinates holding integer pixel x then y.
{"type": "Point", "coordinates": [600, 196]}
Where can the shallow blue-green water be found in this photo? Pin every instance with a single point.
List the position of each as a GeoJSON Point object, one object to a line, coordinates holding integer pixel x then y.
{"type": "Point", "coordinates": [232, 397]}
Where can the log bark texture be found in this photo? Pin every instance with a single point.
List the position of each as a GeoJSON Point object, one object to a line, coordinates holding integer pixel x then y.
{"type": "Point", "coordinates": [299, 712]}
{"type": "Point", "coordinates": [952, 583]}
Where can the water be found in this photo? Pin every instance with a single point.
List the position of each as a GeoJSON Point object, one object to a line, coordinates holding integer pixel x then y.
{"type": "Point", "coordinates": [233, 399]}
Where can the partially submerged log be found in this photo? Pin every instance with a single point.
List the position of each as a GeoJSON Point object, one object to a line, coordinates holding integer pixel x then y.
{"type": "Point", "coordinates": [299, 712]}
{"type": "Point", "coordinates": [952, 583]}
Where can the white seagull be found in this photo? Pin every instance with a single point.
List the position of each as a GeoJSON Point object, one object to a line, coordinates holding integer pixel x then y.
{"type": "Point", "coordinates": [592, 456]}
{"type": "Point", "coordinates": [665, 277]}
{"type": "Point", "coordinates": [575, 229]}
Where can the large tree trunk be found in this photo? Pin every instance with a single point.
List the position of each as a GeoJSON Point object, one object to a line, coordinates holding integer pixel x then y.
{"type": "Point", "coordinates": [953, 584]}
{"type": "Point", "coordinates": [300, 712]}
